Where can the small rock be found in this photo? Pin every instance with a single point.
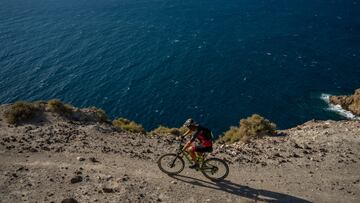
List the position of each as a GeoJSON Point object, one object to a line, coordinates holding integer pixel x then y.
{"type": "Point", "coordinates": [93, 159]}
{"type": "Point", "coordinates": [306, 152]}
{"type": "Point", "coordinates": [109, 177]}
{"type": "Point", "coordinates": [125, 178]}
{"type": "Point", "coordinates": [33, 150]}
{"type": "Point", "coordinates": [76, 179]}
{"type": "Point", "coordinates": [78, 172]}
{"type": "Point", "coordinates": [277, 155]}
{"type": "Point", "coordinates": [69, 200]}
{"type": "Point", "coordinates": [296, 155]}
{"type": "Point", "coordinates": [173, 182]}
{"type": "Point", "coordinates": [108, 190]}
{"type": "Point", "coordinates": [296, 145]}
{"type": "Point", "coordinates": [79, 158]}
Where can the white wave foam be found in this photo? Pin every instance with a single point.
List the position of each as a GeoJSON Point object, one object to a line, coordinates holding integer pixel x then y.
{"type": "Point", "coordinates": [337, 108]}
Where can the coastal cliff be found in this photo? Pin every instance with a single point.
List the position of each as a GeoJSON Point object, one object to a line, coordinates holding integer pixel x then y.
{"type": "Point", "coordinates": [56, 156]}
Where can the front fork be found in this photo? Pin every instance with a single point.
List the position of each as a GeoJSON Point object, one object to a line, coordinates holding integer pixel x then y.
{"type": "Point", "coordinates": [173, 162]}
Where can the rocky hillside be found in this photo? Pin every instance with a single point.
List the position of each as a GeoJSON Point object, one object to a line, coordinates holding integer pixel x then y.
{"type": "Point", "coordinates": [348, 102]}
{"type": "Point", "coordinates": [52, 158]}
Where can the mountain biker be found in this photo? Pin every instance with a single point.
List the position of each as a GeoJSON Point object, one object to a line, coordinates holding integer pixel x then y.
{"type": "Point", "coordinates": [203, 135]}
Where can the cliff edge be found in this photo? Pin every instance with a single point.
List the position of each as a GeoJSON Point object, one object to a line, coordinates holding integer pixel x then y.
{"type": "Point", "coordinates": [56, 158]}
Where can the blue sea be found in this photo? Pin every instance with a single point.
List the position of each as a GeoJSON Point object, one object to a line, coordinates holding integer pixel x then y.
{"type": "Point", "coordinates": [162, 61]}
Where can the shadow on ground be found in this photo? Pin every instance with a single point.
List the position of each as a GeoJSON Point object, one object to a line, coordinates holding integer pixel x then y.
{"type": "Point", "coordinates": [240, 190]}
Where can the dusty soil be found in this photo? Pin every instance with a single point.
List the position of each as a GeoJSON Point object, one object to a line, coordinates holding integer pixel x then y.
{"type": "Point", "coordinates": [51, 159]}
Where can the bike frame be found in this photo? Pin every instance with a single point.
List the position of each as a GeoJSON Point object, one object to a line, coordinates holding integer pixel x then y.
{"type": "Point", "coordinates": [186, 154]}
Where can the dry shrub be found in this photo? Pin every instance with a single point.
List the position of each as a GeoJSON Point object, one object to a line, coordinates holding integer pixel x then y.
{"type": "Point", "coordinates": [57, 106]}
{"type": "Point", "coordinates": [40, 104]}
{"type": "Point", "coordinates": [20, 111]}
{"type": "Point", "coordinates": [252, 127]}
{"type": "Point", "coordinates": [127, 125]}
{"type": "Point", "coordinates": [101, 114]}
{"type": "Point", "coordinates": [163, 130]}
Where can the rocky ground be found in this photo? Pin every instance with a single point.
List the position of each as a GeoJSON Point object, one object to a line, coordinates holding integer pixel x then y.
{"type": "Point", "coordinates": [52, 159]}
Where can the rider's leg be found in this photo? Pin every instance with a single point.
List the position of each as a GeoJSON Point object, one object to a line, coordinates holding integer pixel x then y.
{"type": "Point", "coordinates": [192, 153]}
{"type": "Point", "coordinates": [199, 156]}
{"type": "Point", "coordinates": [193, 157]}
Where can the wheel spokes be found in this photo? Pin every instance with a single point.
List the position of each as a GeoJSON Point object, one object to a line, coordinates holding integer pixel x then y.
{"type": "Point", "coordinates": [171, 164]}
{"type": "Point", "coordinates": [215, 169]}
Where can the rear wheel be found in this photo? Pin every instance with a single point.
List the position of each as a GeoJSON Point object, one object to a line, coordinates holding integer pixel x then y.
{"type": "Point", "coordinates": [171, 164]}
{"type": "Point", "coordinates": [215, 169]}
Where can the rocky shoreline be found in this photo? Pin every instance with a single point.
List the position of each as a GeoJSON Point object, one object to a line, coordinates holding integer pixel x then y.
{"type": "Point", "coordinates": [348, 102]}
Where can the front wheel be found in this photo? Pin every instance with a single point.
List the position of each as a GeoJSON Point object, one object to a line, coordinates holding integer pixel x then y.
{"type": "Point", "coordinates": [215, 169]}
{"type": "Point", "coordinates": [171, 164]}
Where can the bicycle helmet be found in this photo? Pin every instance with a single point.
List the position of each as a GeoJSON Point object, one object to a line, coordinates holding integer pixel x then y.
{"type": "Point", "coordinates": [190, 122]}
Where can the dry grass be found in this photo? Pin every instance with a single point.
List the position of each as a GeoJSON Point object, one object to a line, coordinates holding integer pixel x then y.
{"type": "Point", "coordinates": [124, 124]}
{"type": "Point", "coordinates": [252, 127]}
{"type": "Point", "coordinates": [40, 104]}
{"type": "Point", "coordinates": [57, 106]}
{"type": "Point", "coordinates": [163, 130]}
{"type": "Point", "coordinates": [101, 114]}
{"type": "Point", "coordinates": [20, 111]}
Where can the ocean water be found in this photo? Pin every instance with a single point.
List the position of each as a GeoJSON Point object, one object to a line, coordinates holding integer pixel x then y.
{"type": "Point", "coordinates": [162, 61]}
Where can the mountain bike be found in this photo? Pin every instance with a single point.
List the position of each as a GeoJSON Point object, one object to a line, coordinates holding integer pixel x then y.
{"type": "Point", "coordinates": [212, 168]}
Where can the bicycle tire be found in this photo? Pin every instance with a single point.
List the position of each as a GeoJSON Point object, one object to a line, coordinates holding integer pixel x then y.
{"type": "Point", "coordinates": [222, 162]}
{"type": "Point", "coordinates": [175, 158]}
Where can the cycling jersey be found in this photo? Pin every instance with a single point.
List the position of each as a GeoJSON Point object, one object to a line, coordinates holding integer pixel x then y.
{"type": "Point", "coordinates": [203, 135]}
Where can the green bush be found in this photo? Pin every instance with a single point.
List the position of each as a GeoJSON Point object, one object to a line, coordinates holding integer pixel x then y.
{"type": "Point", "coordinates": [20, 111]}
{"type": "Point", "coordinates": [162, 130]}
{"type": "Point", "coordinates": [57, 106]}
{"type": "Point", "coordinates": [252, 127]}
{"type": "Point", "coordinates": [127, 125]}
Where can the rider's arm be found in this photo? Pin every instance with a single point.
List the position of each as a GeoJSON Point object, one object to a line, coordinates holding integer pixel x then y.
{"type": "Point", "coordinates": [193, 137]}
{"type": "Point", "coordinates": [187, 145]}
{"type": "Point", "coordinates": [187, 132]}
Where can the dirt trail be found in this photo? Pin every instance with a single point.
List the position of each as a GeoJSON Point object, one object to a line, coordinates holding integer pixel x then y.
{"type": "Point", "coordinates": [141, 181]}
